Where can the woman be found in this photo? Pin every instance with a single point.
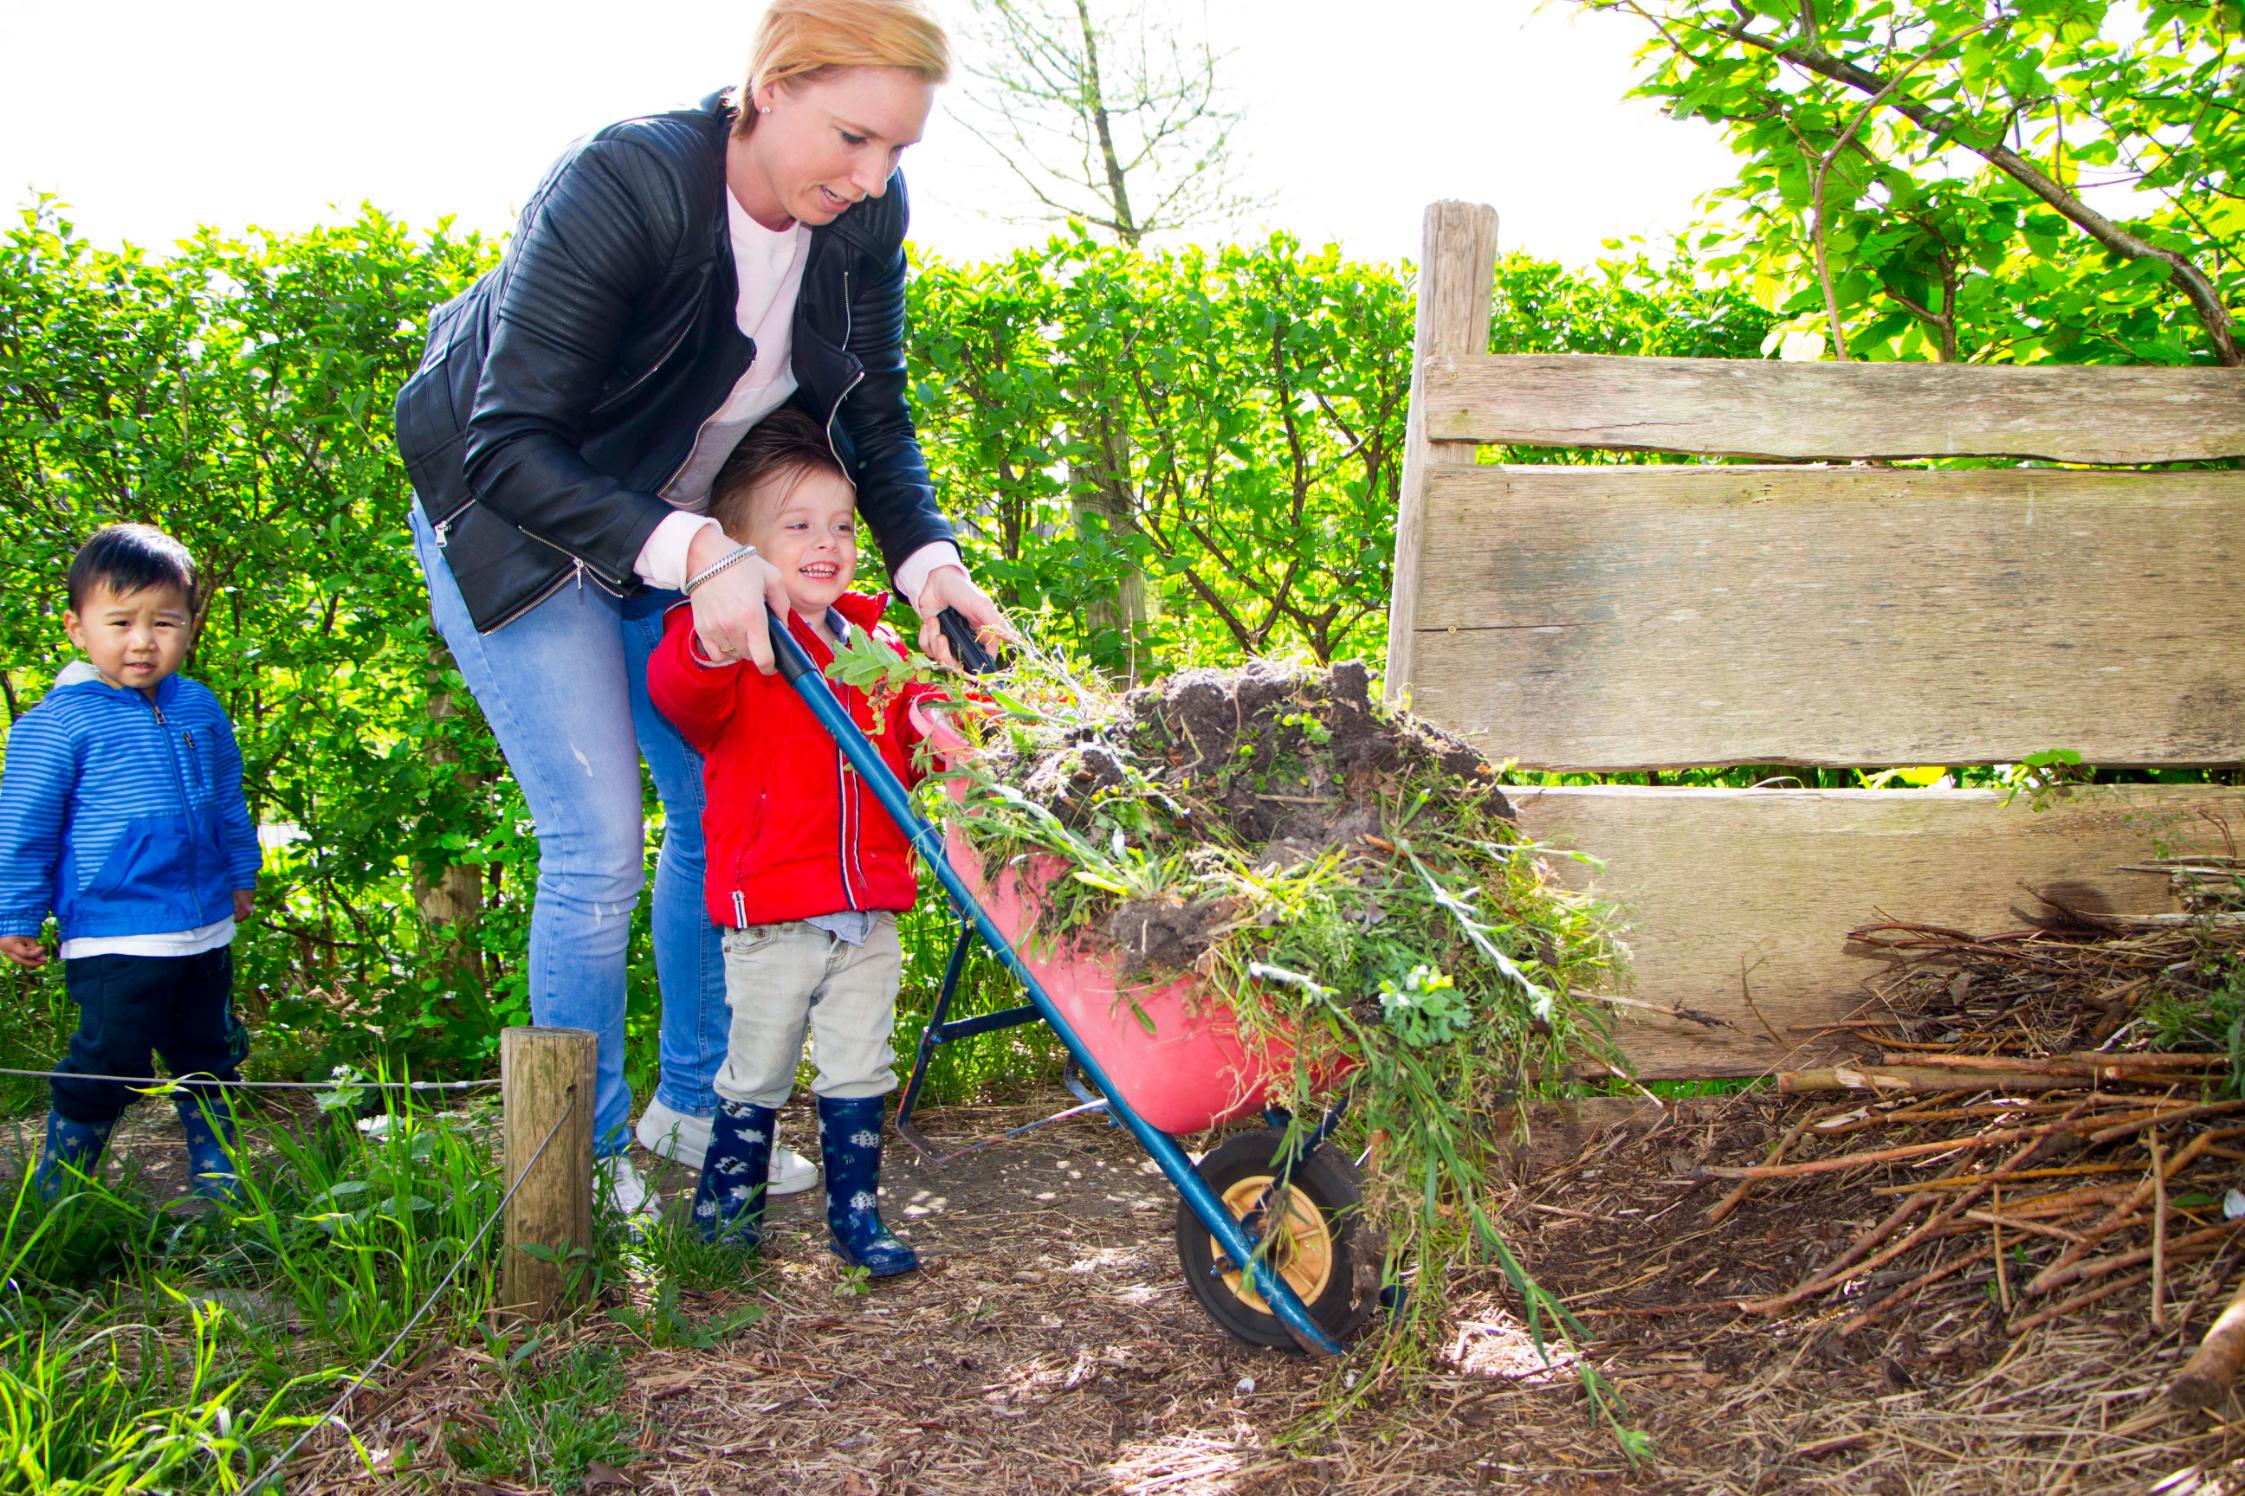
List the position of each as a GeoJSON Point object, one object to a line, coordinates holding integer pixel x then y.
{"type": "Point", "coordinates": [674, 278]}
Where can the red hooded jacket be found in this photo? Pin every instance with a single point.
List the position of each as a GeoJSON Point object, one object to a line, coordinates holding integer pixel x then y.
{"type": "Point", "coordinates": [790, 831]}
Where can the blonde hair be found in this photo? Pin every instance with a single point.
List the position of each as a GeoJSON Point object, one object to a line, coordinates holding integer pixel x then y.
{"type": "Point", "coordinates": [805, 39]}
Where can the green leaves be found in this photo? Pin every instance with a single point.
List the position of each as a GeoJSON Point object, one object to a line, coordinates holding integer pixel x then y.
{"type": "Point", "coordinates": [1935, 122]}
{"type": "Point", "coordinates": [1425, 1009]}
{"type": "Point", "coordinates": [868, 664]}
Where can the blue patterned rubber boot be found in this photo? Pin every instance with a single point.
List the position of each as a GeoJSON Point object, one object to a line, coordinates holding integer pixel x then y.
{"type": "Point", "coordinates": [209, 1126]}
{"type": "Point", "coordinates": [729, 1200]}
{"type": "Point", "coordinates": [77, 1144]}
{"type": "Point", "coordinates": [849, 1134]}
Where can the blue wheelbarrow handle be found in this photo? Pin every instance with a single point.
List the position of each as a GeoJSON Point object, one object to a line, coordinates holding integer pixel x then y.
{"type": "Point", "coordinates": [796, 669]}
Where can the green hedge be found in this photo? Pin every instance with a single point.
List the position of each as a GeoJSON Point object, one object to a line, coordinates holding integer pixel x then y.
{"type": "Point", "coordinates": [1216, 433]}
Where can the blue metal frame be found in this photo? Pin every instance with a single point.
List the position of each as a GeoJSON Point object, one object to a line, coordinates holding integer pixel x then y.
{"type": "Point", "coordinates": [796, 668]}
{"type": "Point", "coordinates": [941, 1029]}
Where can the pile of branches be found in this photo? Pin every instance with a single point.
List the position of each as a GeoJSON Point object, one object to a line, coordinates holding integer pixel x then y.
{"type": "Point", "coordinates": [2062, 1148]}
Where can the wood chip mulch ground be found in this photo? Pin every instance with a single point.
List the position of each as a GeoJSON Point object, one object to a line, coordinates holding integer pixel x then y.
{"type": "Point", "coordinates": [1051, 1346]}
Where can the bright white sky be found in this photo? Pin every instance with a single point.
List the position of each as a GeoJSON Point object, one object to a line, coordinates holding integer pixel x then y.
{"type": "Point", "coordinates": [150, 118]}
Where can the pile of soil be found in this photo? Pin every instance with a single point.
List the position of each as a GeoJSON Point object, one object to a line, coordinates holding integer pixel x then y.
{"type": "Point", "coordinates": [1275, 762]}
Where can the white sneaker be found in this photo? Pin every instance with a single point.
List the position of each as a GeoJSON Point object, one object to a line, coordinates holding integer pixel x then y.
{"type": "Point", "coordinates": [670, 1133]}
{"type": "Point", "coordinates": [617, 1186]}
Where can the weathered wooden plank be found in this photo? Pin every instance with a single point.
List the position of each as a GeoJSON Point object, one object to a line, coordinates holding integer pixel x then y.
{"type": "Point", "coordinates": [1763, 408]}
{"type": "Point", "coordinates": [1457, 269]}
{"type": "Point", "coordinates": [1608, 618]}
{"type": "Point", "coordinates": [1731, 892]}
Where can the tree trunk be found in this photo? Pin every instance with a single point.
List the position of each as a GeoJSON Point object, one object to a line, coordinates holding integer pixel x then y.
{"type": "Point", "coordinates": [1100, 501]}
{"type": "Point", "coordinates": [452, 901]}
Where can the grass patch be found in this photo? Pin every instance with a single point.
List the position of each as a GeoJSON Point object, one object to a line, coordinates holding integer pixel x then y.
{"type": "Point", "coordinates": [151, 1343]}
{"type": "Point", "coordinates": [550, 1426]}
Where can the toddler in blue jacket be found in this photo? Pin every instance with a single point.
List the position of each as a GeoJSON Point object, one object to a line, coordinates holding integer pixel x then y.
{"type": "Point", "coordinates": [121, 810]}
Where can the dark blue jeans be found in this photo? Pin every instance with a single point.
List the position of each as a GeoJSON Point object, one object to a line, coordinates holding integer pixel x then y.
{"type": "Point", "coordinates": [179, 1007]}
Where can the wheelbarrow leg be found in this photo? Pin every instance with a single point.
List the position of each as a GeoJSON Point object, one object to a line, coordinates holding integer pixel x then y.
{"type": "Point", "coordinates": [930, 1037]}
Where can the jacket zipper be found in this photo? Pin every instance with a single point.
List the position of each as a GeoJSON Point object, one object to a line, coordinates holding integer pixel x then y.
{"type": "Point", "coordinates": [186, 805]}
{"type": "Point", "coordinates": [855, 379]}
{"type": "Point", "coordinates": [647, 373]}
{"type": "Point", "coordinates": [560, 580]}
{"type": "Point", "coordinates": [844, 788]}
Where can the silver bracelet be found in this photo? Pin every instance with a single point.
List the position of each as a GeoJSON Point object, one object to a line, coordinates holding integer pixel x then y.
{"type": "Point", "coordinates": [714, 567]}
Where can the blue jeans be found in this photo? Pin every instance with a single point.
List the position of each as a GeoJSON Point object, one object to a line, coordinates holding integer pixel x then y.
{"type": "Point", "coordinates": [182, 1007]}
{"type": "Point", "coordinates": [564, 688]}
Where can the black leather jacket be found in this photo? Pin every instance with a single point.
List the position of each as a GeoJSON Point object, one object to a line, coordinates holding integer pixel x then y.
{"type": "Point", "coordinates": [560, 392]}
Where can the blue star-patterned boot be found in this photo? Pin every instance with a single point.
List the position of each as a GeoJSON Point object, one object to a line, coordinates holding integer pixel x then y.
{"type": "Point", "coordinates": [729, 1200]}
{"type": "Point", "coordinates": [209, 1125]}
{"type": "Point", "coordinates": [849, 1134]}
{"type": "Point", "coordinates": [77, 1144]}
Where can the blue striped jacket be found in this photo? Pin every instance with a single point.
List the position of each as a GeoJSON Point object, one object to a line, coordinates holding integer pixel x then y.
{"type": "Point", "coordinates": [123, 815]}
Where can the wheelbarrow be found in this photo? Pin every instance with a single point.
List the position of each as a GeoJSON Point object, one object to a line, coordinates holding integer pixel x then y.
{"type": "Point", "coordinates": [1266, 1230]}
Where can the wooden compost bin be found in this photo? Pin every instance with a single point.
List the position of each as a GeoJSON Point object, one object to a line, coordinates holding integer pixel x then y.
{"type": "Point", "coordinates": [1818, 607]}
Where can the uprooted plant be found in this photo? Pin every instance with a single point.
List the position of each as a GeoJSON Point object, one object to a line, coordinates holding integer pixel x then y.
{"type": "Point", "coordinates": [1350, 883]}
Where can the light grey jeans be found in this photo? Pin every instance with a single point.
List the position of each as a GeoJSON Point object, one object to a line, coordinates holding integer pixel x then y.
{"type": "Point", "coordinates": [780, 979]}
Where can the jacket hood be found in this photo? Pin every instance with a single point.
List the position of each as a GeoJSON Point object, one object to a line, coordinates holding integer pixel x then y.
{"type": "Point", "coordinates": [82, 673]}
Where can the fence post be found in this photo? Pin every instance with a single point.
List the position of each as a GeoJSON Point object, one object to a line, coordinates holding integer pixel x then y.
{"type": "Point", "coordinates": [546, 1079]}
{"type": "Point", "coordinates": [1457, 271]}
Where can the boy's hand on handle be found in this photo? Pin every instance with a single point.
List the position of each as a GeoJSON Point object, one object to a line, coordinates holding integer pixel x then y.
{"type": "Point", "coordinates": [729, 608]}
{"type": "Point", "coordinates": [24, 950]}
{"type": "Point", "coordinates": [245, 903]}
{"type": "Point", "coordinates": [950, 587]}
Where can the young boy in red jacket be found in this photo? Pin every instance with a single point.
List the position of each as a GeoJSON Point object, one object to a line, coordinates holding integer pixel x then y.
{"type": "Point", "coordinates": [805, 869]}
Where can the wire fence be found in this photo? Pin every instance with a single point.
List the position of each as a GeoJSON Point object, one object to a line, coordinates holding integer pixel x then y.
{"type": "Point", "coordinates": [331, 1416]}
{"type": "Point", "coordinates": [154, 1085]}
{"type": "Point", "coordinates": [157, 1085]}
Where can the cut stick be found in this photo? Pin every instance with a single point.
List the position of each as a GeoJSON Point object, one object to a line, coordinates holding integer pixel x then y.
{"type": "Point", "coordinates": [1843, 1161]}
{"type": "Point", "coordinates": [2158, 1236]}
{"type": "Point", "coordinates": [2013, 1176]}
{"type": "Point", "coordinates": [1899, 1078]}
{"type": "Point", "coordinates": [2207, 1376]}
{"type": "Point", "coordinates": [2193, 1244]}
{"type": "Point", "coordinates": [2080, 1300]}
{"type": "Point", "coordinates": [1825, 1277]}
{"type": "Point", "coordinates": [2119, 1130]}
{"type": "Point", "coordinates": [1926, 1112]}
{"type": "Point", "coordinates": [1820, 1282]}
{"type": "Point", "coordinates": [2051, 1276]}
{"type": "Point", "coordinates": [1730, 1202]}
{"type": "Point", "coordinates": [2018, 1223]}
{"type": "Point", "coordinates": [1916, 1285]}
{"type": "Point", "coordinates": [2103, 1066]}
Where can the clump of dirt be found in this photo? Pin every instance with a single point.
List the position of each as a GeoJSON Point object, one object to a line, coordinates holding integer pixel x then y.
{"type": "Point", "coordinates": [1280, 764]}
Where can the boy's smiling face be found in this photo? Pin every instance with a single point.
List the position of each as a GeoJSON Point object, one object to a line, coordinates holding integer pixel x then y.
{"type": "Point", "coordinates": [804, 522]}
{"type": "Point", "coordinates": [135, 639]}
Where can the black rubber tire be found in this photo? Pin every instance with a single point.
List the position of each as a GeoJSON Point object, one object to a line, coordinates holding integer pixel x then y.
{"type": "Point", "coordinates": [1326, 1184]}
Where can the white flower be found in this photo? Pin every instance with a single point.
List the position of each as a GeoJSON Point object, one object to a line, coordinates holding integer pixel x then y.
{"type": "Point", "coordinates": [863, 1200]}
{"type": "Point", "coordinates": [866, 1138]}
{"type": "Point", "coordinates": [739, 1192]}
{"type": "Point", "coordinates": [705, 1209]}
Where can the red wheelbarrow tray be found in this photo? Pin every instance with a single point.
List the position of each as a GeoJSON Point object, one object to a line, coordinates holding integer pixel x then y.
{"type": "Point", "coordinates": [1193, 1070]}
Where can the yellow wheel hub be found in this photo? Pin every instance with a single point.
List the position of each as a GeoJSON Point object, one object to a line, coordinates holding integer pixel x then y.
{"type": "Point", "coordinates": [1300, 1247]}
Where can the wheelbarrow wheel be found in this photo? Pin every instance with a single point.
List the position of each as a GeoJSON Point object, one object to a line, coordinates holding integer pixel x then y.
{"type": "Point", "coordinates": [1311, 1240]}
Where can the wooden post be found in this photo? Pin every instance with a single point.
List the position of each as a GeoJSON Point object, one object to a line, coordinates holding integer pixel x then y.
{"type": "Point", "coordinates": [1457, 270]}
{"type": "Point", "coordinates": [546, 1083]}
